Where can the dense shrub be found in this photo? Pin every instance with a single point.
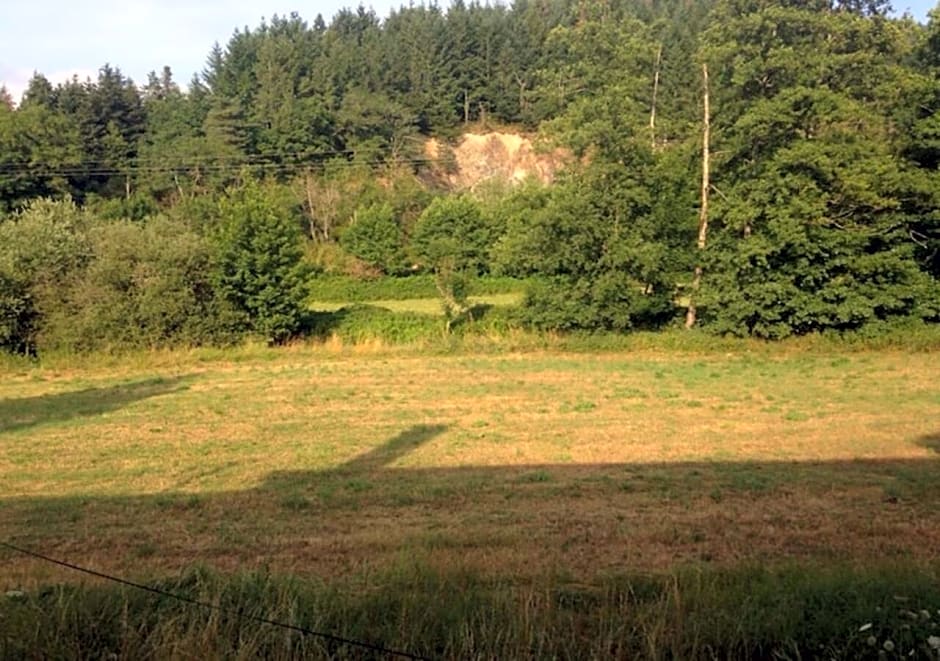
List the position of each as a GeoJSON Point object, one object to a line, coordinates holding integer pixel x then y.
{"type": "Point", "coordinates": [148, 285]}
{"type": "Point", "coordinates": [258, 263]}
{"type": "Point", "coordinates": [597, 251]}
{"type": "Point", "coordinates": [452, 239]}
{"type": "Point", "coordinates": [452, 234]}
{"type": "Point", "coordinates": [375, 237]}
{"type": "Point", "coordinates": [40, 248]}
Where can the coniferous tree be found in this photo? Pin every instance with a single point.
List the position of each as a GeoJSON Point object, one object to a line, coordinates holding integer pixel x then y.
{"type": "Point", "coordinates": [257, 263]}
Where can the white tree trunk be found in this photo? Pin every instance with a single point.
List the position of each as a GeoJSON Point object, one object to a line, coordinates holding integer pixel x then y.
{"type": "Point", "coordinates": [659, 60]}
{"type": "Point", "coordinates": [703, 210]}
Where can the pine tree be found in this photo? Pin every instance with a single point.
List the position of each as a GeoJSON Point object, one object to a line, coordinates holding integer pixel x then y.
{"type": "Point", "coordinates": [258, 263]}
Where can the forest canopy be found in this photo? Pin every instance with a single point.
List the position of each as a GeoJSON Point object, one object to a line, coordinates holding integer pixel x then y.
{"type": "Point", "coordinates": [754, 167]}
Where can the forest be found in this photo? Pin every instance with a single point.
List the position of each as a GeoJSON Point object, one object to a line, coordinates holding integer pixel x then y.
{"type": "Point", "coordinates": [763, 168]}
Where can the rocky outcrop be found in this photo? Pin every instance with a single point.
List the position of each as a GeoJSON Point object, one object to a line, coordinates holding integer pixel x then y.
{"type": "Point", "coordinates": [479, 157]}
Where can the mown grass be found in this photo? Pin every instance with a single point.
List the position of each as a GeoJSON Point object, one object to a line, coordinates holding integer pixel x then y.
{"type": "Point", "coordinates": [522, 474]}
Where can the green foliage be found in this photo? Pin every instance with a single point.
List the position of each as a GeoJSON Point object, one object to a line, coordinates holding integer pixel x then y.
{"type": "Point", "coordinates": [37, 146]}
{"type": "Point", "coordinates": [137, 207]}
{"type": "Point", "coordinates": [451, 238]}
{"type": "Point", "coordinates": [603, 84]}
{"type": "Point", "coordinates": [813, 227]}
{"type": "Point", "coordinates": [741, 613]}
{"type": "Point", "coordinates": [345, 289]}
{"type": "Point", "coordinates": [257, 262]}
{"type": "Point", "coordinates": [366, 323]}
{"type": "Point", "coordinates": [40, 249]}
{"type": "Point", "coordinates": [452, 234]}
{"type": "Point", "coordinates": [146, 286]}
{"type": "Point", "coordinates": [375, 237]}
{"type": "Point", "coordinates": [597, 251]}
{"type": "Point", "coordinates": [825, 195]}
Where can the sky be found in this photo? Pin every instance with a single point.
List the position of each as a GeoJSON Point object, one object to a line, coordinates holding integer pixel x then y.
{"type": "Point", "coordinates": [62, 38]}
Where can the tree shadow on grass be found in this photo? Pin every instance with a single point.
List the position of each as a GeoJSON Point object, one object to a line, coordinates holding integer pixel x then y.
{"type": "Point", "coordinates": [320, 324]}
{"type": "Point", "coordinates": [25, 412]}
{"type": "Point", "coordinates": [517, 519]}
{"type": "Point", "coordinates": [930, 441]}
{"type": "Point", "coordinates": [393, 449]}
{"type": "Point", "coordinates": [370, 464]}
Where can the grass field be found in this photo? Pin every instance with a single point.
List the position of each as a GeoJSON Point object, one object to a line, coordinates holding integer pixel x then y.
{"type": "Point", "coordinates": [513, 467]}
{"type": "Point", "coordinates": [431, 306]}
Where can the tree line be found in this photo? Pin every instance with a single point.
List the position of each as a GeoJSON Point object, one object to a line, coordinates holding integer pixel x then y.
{"type": "Point", "coordinates": [819, 211]}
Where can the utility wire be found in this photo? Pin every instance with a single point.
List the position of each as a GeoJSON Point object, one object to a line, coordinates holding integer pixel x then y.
{"type": "Point", "coordinates": [292, 158]}
{"type": "Point", "coordinates": [209, 157]}
{"type": "Point", "coordinates": [206, 167]}
{"type": "Point", "coordinates": [220, 609]}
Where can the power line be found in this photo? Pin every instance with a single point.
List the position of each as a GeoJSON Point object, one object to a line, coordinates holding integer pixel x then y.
{"type": "Point", "coordinates": [205, 167]}
{"type": "Point", "coordinates": [196, 158]}
{"type": "Point", "coordinates": [208, 157]}
{"type": "Point", "coordinates": [141, 162]}
{"type": "Point", "coordinates": [221, 609]}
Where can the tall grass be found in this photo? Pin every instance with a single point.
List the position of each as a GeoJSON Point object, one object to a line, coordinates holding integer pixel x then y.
{"type": "Point", "coordinates": [368, 328]}
{"type": "Point", "coordinates": [783, 613]}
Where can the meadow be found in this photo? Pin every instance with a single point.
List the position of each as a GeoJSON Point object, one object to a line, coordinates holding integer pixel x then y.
{"type": "Point", "coordinates": [641, 503]}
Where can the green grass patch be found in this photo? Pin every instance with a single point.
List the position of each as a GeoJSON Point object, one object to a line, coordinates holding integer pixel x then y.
{"type": "Point", "coordinates": [345, 289]}
{"type": "Point", "coordinates": [427, 306]}
{"type": "Point", "coordinates": [786, 612]}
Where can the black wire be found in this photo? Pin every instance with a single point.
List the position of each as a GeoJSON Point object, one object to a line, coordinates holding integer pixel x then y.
{"type": "Point", "coordinates": [247, 158]}
{"type": "Point", "coordinates": [217, 167]}
{"type": "Point", "coordinates": [220, 609]}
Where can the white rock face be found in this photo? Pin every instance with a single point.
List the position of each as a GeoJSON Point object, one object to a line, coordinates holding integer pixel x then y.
{"type": "Point", "coordinates": [506, 157]}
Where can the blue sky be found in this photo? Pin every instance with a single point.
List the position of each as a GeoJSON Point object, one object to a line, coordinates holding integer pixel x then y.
{"type": "Point", "coordinates": [64, 37]}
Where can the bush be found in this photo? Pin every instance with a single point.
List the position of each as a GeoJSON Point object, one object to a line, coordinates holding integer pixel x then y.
{"type": "Point", "coordinates": [147, 286]}
{"type": "Point", "coordinates": [451, 234]}
{"type": "Point", "coordinates": [598, 252]}
{"type": "Point", "coordinates": [376, 238]}
{"type": "Point", "coordinates": [452, 239]}
{"type": "Point", "coordinates": [39, 249]}
{"type": "Point", "coordinates": [610, 301]}
{"type": "Point", "coordinates": [258, 263]}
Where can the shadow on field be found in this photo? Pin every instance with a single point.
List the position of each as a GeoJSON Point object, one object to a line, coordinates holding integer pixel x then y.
{"type": "Point", "coordinates": [25, 412]}
{"type": "Point", "coordinates": [931, 442]}
{"type": "Point", "coordinates": [374, 460]}
{"type": "Point", "coordinates": [517, 520]}
{"type": "Point", "coordinates": [320, 324]}
{"type": "Point", "coordinates": [392, 450]}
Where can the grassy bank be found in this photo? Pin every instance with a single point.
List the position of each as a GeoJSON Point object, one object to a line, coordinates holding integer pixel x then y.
{"type": "Point", "coordinates": [787, 612]}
